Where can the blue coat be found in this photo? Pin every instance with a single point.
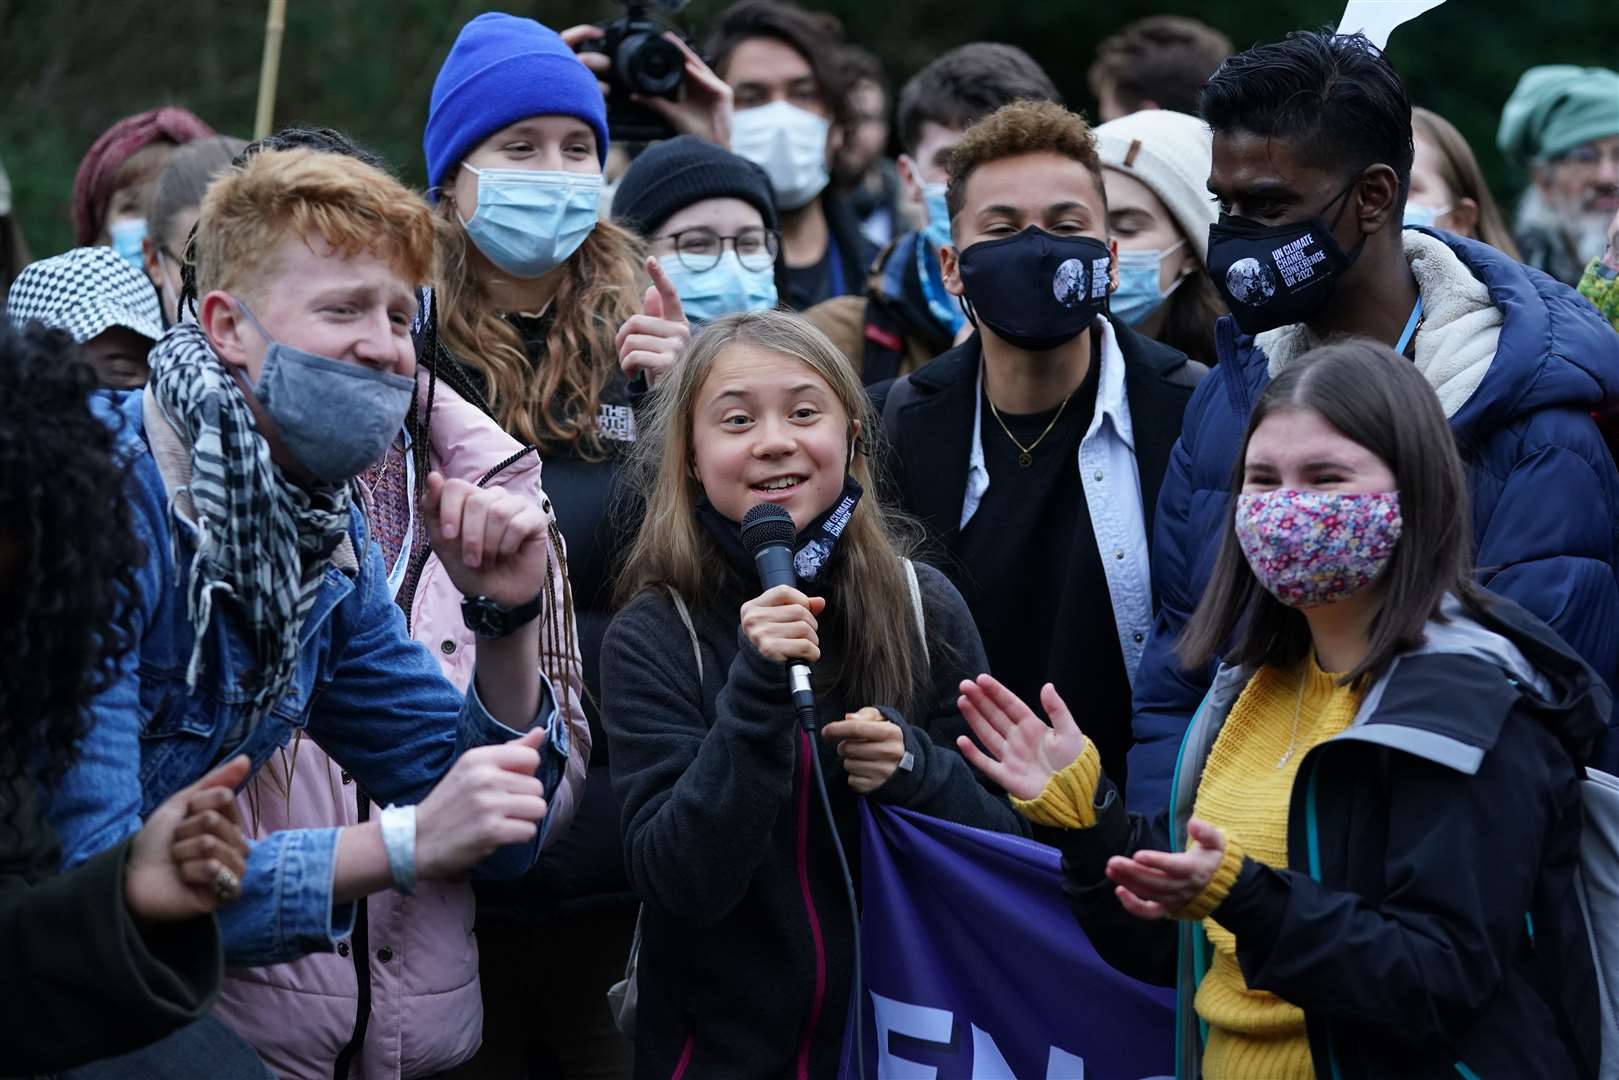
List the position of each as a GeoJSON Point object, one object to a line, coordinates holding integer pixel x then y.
{"type": "Point", "coordinates": [372, 698]}
{"type": "Point", "coordinates": [1545, 495]}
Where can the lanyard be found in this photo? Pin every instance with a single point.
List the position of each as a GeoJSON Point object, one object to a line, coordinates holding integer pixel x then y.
{"type": "Point", "coordinates": [941, 305]}
{"type": "Point", "coordinates": [1410, 327]}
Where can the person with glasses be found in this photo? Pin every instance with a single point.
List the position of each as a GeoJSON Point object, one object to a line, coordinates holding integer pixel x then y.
{"type": "Point", "coordinates": [1562, 122]}
{"type": "Point", "coordinates": [172, 213]}
{"type": "Point", "coordinates": [709, 220]}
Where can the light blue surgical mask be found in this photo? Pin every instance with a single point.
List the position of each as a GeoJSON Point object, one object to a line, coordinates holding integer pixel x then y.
{"type": "Point", "coordinates": [126, 235]}
{"type": "Point", "coordinates": [1418, 214]}
{"type": "Point", "coordinates": [528, 222]}
{"type": "Point", "coordinates": [335, 418]}
{"type": "Point", "coordinates": [1139, 293]}
{"type": "Point", "coordinates": [937, 230]}
{"type": "Point", "coordinates": [725, 288]}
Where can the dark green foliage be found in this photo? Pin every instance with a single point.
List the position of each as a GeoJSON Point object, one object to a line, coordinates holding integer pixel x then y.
{"type": "Point", "coordinates": [68, 68]}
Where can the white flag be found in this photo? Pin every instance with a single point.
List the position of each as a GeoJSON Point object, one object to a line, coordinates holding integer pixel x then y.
{"type": "Point", "coordinates": [1378, 18]}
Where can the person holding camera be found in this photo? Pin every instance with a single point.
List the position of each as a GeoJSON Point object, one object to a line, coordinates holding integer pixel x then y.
{"type": "Point", "coordinates": [656, 87]}
{"type": "Point", "coordinates": [531, 293]}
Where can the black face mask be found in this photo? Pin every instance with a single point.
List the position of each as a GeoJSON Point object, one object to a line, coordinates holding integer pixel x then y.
{"type": "Point", "coordinates": [813, 547]}
{"type": "Point", "coordinates": [1035, 290]}
{"type": "Point", "coordinates": [1277, 275]}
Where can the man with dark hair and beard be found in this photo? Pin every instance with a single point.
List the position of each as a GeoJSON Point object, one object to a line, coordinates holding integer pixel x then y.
{"type": "Point", "coordinates": [1563, 123]}
{"type": "Point", "coordinates": [1311, 167]}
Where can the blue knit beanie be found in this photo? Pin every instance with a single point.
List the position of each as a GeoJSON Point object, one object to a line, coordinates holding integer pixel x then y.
{"type": "Point", "coordinates": [500, 70]}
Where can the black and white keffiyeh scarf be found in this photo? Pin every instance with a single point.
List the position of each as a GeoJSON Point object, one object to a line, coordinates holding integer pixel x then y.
{"type": "Point", "coordinates": [261, 539]}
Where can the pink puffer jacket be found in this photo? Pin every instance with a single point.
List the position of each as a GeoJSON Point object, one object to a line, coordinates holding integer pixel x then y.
{"type": "Point", "coordinates": [426, 1007]}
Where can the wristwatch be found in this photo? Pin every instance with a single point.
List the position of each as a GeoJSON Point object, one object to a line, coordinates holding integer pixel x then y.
{"type": "Point", "coordinates": [488, 619]}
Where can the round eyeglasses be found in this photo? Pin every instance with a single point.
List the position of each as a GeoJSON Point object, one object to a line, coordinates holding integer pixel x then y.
{"type": "Point", "coordinates": [700, 248]}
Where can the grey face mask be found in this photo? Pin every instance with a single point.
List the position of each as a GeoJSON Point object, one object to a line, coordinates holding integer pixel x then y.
{"type": "Point", "coordinates": [335, 418]}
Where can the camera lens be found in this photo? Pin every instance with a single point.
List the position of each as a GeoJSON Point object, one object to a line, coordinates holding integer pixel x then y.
{"type": "Point", "coordinates": [649, 64]}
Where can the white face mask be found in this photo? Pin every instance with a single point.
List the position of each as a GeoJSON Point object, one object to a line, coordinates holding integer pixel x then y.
{"type": "Point", "coordinates": [789, 144]}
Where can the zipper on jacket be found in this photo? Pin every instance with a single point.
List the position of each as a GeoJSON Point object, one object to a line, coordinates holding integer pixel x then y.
{"type": "Point", "coordinates": [360, 951]}
{"type": "Point", "coordinates": [1174, 845]}
{"type": "Point", "coordinates": [688, 1050]}
{"type": "Point", "coordinates": [508, 463]}
{"type": "Point", "coordinates": [806, 747]}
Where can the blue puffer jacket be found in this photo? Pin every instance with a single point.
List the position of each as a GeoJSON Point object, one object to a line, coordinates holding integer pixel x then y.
{"type": "Point", "coordinates": [1545, 495]}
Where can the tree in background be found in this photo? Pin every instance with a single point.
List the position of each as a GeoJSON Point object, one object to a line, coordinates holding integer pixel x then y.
{"type": "Point", "coordinates": [68, 69]}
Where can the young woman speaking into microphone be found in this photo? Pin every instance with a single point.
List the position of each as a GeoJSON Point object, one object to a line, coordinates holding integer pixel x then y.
{"type": "Point", "coordinates": [748, 943]}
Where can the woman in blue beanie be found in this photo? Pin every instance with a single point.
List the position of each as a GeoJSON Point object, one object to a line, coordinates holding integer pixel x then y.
{"type": "Point", "coordinates": [529, 300]}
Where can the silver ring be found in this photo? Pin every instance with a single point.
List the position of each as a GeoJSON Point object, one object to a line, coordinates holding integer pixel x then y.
{"type": "Point", "coordinates": [227, 886]}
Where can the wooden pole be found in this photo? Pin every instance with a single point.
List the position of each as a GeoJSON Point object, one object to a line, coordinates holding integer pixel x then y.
{"type": "Point", "coordinates": [275, 23]}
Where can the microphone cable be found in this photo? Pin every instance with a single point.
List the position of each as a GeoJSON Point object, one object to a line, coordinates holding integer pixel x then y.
{"type": "Point", "coordinates": [858, 985]}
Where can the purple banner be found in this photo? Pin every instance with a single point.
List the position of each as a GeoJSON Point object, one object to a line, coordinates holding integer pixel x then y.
{"type": "Point", "coordinates": [976, 969]}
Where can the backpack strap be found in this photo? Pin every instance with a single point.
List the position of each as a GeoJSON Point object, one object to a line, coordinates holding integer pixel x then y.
{"type": "Point", "coordinates": [624, 996]}
{"type": "Point", "coordinates": [916, 607]}
{"type": "Point", "coordinates": [685, 616]}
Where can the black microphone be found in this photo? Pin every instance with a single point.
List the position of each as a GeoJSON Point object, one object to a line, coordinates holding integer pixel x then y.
{"type": "Point", "coordinates": [768, 533]}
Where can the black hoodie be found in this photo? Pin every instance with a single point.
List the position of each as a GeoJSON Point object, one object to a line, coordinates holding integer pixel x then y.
{"type": "Point", "coordinates": [747, 949]}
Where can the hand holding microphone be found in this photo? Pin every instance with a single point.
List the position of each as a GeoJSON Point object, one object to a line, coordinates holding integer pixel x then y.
{"type": "Point", "coordinates": [781, 624]}
{"type": "Point", "coordinates": [783, 619]}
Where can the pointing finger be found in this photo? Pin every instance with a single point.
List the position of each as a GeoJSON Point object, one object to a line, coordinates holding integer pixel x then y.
{"type": "Point", "coordinates": [667, 293]}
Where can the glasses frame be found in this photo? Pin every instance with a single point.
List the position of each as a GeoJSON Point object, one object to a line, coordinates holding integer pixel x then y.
{"type": "Point", "coordinates": [698, 264]}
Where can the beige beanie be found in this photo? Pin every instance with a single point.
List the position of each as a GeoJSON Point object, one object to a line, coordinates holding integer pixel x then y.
{"type": "Point", "coordinates": [1171, 153]}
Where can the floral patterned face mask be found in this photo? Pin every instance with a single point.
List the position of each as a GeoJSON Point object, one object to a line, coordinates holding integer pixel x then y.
{"type": "Point", "coordinates": [1310, 548]}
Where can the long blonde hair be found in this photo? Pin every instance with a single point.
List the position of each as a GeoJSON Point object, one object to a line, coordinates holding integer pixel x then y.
{"type": "Point", "coordinates": [552, 404]}
{"type": "Point", "coordinates": [871, 610]}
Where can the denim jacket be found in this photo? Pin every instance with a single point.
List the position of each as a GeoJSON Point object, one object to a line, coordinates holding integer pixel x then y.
{"type": "Point", "coordinates": [372, 698]}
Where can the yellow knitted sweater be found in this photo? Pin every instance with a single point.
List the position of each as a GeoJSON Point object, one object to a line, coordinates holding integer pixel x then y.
{"type": "Point", "coordinates": [1245, 790]}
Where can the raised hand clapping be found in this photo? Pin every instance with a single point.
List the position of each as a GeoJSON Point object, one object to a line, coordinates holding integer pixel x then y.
{"type": "Point", "coordinates": [1024, 751]}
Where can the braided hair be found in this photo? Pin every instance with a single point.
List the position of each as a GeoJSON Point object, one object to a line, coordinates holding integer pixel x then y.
{"type": "Point", "coordinates": [66, 587]}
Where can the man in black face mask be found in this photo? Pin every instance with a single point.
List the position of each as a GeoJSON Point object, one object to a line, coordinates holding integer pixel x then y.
{"type": "Point", "coordinates": [1033, 452]}
{"type": "Point", "coordinates": [1312, 163]}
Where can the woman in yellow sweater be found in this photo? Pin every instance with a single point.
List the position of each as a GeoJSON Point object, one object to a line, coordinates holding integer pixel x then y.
{"type": "Point", "coordinates": [1366, 867]}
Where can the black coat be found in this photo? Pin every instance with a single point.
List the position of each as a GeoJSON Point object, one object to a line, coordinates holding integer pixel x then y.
{"type": "Point", "coordinates": [855, 252]}
{"type": "Point", "coordinates": [926, 443]}
{"type": "Point", "coordinates": [725, 839]}
{"type": "Point", "coordinates": [1426, 918]}
{"type": "Point", "coordinates": [81, 981]}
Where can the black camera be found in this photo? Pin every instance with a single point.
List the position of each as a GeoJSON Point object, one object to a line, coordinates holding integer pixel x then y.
{"type": "Point", "coordinates": [641, 61]}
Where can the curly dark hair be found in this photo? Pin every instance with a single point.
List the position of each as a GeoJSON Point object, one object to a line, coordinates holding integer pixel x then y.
{"type": "Point", "coordinates": [68, 552]}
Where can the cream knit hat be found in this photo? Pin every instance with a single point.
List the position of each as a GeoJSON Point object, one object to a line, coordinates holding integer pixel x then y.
{"type": "Point", "coordinates": [1171, 153]}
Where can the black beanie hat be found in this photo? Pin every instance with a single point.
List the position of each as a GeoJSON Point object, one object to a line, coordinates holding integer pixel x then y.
{"type": "Point", "coordinates": [671, 175]}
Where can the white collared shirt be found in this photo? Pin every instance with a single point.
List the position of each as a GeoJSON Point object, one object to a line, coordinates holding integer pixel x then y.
{"type": "Point", "coordinates": [1107, 469]}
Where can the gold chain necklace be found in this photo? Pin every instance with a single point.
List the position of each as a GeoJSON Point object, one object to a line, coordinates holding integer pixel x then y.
{"type": "Point", "coordinates": [1025, 456]}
